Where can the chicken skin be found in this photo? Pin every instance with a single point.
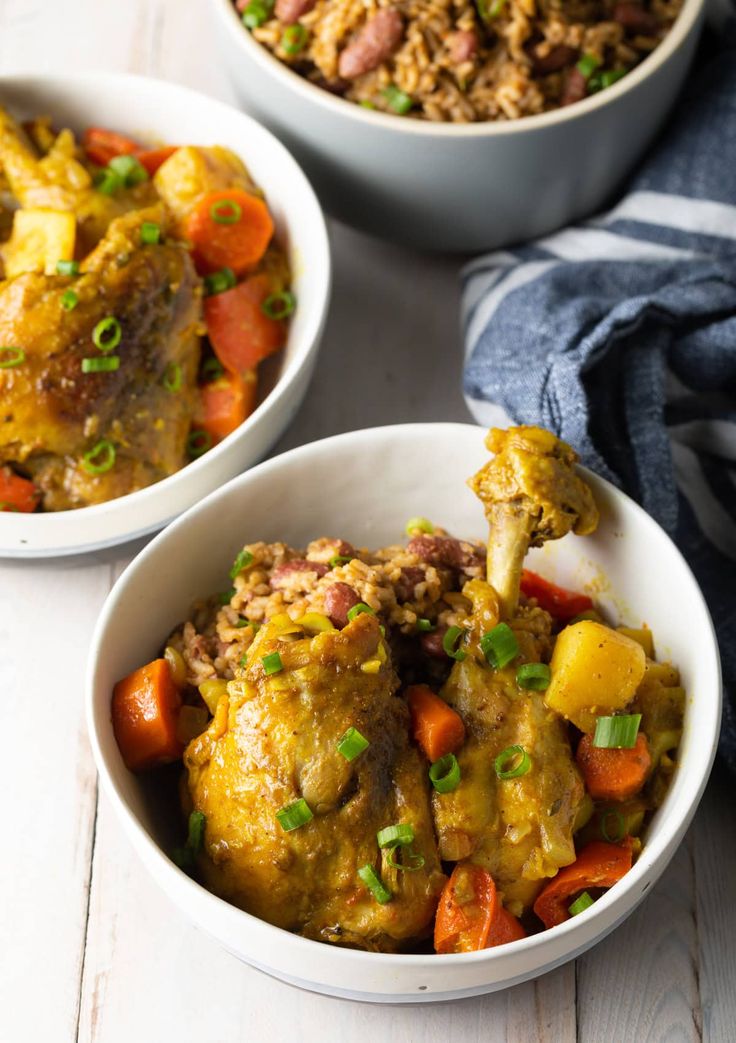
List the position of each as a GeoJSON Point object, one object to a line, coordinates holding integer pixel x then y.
{"type": "Point", "coordinates": [519, 829]}
{"type": "Point", "coordinates": [274, 740]}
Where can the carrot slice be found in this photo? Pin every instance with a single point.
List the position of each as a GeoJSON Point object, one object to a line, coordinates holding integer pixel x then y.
{"type": "Point", "coordinates": [612, 774]}
{"type": "Point", "coordinates": [16, 493]}
{"type": "Point", "coordinates": [597, 865]}
{"type": "Point", "coordinates": [560, 603]}
{"type": "Point", "coordinates": [466, 910]}
{"type": "Point", "coordinates": [240, 333]}
{"type": "Point", "coordinates": [226, 402]}
{"type": "Point", "coordinates": [504, 928]}
{"type": "Point", "coordinates": [229, 229]}
{"type": "Point", "coordinates": [154, 158]}
{"type": "Point", "coordinates": [145, 711]}
{"type": "Point", "coordinates": [437, 728]}
{"type": "Point", "coordinates": [102, 145]}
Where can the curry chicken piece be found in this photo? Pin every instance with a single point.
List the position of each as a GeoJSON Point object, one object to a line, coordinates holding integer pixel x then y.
{"type": "Point", "coordinates": [53, 413]}
{"type": "Point", "coordinates": [519, 829]}
{"type": "Point", "coordinates": [274, 740]}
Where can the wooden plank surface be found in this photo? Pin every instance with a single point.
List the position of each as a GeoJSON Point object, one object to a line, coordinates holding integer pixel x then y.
{"type": "Point", "coordinates": [115, 961]}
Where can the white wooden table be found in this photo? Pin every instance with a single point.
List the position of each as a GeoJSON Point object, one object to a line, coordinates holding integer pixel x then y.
{"type": "Point", "coordinates": [89, 948]}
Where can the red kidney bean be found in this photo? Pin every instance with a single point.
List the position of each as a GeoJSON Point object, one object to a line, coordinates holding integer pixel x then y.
{"type": "Point", "coordinates": [281, 575]}
{"type": "Point", "coordinates": [462, 45]}
{"type": "Point", "coordinates": [374, 44]}
{"type": "Point", "coordinates": [558, 58]}
{"type": "Point", "coordinates": [339, 599]}
{"type": "Point", "coordinates": [432, 643]}
{"type": "Point", "coordinates": [575, 89]}
{"type": "Point", "coordinates": [410, 576]}
{"type": "Point", "coordinates": [635, 19]}
{"type": "Point", "coordinates": [290, 11]}
{"type": "Point", "coordinates": [445, 551]}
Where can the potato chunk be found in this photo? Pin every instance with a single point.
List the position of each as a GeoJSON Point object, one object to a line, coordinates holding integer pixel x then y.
{"type": "Point", "coordinates": [595, 671]}
{"type": "Point", "coordinates": [39, 239]}
{"type": "Point", "coordinates": [192, 172]}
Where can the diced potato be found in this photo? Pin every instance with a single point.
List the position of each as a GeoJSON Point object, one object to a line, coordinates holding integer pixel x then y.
{"type": "Point", "coordinates": [641, 634]}
{"type": "Point", "coordinates": [39, 239]}
{"type": "Point", "coordinates": [191, 172]}
{"type": "Point", "coordinates": [595, 671]}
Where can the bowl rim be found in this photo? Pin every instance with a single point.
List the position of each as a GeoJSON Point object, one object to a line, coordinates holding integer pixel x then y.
{"type": "Point", "coordinates": [340, 107]}
{"type": "Point", "coordinates": [308, 340]}
{"type": "Point", "coordinates": [198, 897]}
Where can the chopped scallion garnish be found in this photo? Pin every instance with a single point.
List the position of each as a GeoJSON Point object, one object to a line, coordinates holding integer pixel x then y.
{"type": "Point", "coordinates": [107, 334]}
{"type": "Point", "coordinates": [375, 885]}
{"type": "Point", "coordinates": [195, 838]}
{"type": "Point", "coordinates": [358, 610]}
{"type": "Point", "coordinates": [294, 815]}
{"type": "Point", "coordinates": [512, 763]}
{"type": "Point", "coordinates": [413, 863]}
{"type": "Point", "coordinates": [534, 676]}
{"type": "Point", "coordinates": [580, 904]}
{"type": "Point", "coordinates": [272, 663]}
{"type": "Point", "coordinates": [212, 370]}
{"type": "Point", "coordinates": [106, 364]}
{"type": "Point", "coordinates": [397, 100]}
{"type": "Point", "coordinates": [587, 65]}
{"type": "Point", "coordinates": [617, 733]}
{"type": "Point", "coordinates": [352, 744]}
{"type": "Point", "coordinates": [67, 267]}
{"type": "Point", "coordinates": [444, 774]}
{"type": "Point", "coordinates": [173, 378]}
{"type": "Point", "coordinates": [226, 212]}
{"type": "Point", "coordinates": [419, 525]}
{"type": "Point", "coordinates": [620, 832]}
{"type": "Point", "coordinates": [499, 646]}
{"type": "Point", "coordinates": [425, 626]}
{"type": "Point", "coordinates": [198, 442]}
{"type": "Point", "coordinates": [339, 559]}
{"type": "Point", "coordinates": [294, 38]}
{"type": "Point", "coordinates": [243, 560]}
{"type": "Point", "coordinates": [11, 356]}
{"type": "Point", "coordinates": [256, 13]}
{"type": "Point", "coordinates": [129, 169]}
{"type": "Point", "coordinates": [218, 282]}
{"type": "Point", "coordinates": [451, 641]}
{"type": "Point", "coordinates": [100, 458]}
{"type": "Point", "coordinates": [226, 596]}
{"type": "Point", "coordinates": [150, 233]}
{"type": "Point", "coordinates": [279, 305]}
{"type": "Point", "coordinates": [69, 300]}
{"type": "Point", "coordinates": [395, 836]}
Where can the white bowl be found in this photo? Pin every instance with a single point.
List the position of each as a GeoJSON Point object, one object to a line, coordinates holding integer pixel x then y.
{"type": "Point", "coordinates": [460, 186]}
{"type": "Point", "coordinates": [163, 112]}
{"type": "Point", "coordinates": [363, 486]}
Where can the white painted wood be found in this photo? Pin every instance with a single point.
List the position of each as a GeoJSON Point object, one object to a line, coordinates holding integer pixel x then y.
{"type": "Point", "coordinates": [391, 353]}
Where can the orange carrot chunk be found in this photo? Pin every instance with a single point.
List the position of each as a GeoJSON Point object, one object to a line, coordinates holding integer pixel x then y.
{"type": "Point", "coordinates": [504, 928]}
{"type": "Point", "coordinates": [226, 402]}
{"type": "Point", "coordinates": [16, 493]}
{"type": "Point", "coordinates": [466, 910]}
{"type": "Point", "coordinates": [102, 145]}
{"type": "Point", "coordinates": [613, 774]}
{"type": "Point", "coordinates": [153, 158]}
{"type": "Point", "coordinates": [229, 229]}
{"type": "Point", "coordinates": [560, 603]}
{"type": "Point", "coordinates": [145, 711]}
{"type": "Point", "coordinates": [597, 865]}
{"type": "Point", "coordinates": [437, 728]}
{"type": "Point", "coordinates": [241, 334]}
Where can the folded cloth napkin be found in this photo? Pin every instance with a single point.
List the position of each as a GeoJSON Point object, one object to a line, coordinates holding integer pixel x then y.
{"type": "Point", "coordinates": [619, 334]}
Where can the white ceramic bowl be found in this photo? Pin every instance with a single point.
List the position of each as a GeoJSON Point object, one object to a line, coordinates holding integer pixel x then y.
{"type": "Point", "coordinates": [162, 112]}
{"type": "Point", "coordinates": [460, 186]}
{"type": "Point", "coordinates": [363, 486]}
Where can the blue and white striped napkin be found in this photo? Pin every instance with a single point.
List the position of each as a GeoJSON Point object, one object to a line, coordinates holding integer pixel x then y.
{"type": "Point", "coordinates": [619, 334]}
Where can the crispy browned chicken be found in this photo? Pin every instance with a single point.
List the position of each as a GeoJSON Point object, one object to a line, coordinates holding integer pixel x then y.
{"type": "Point", "coordinates": [519, 829]}
{"type": "Point", "coordinates": [274, 740]}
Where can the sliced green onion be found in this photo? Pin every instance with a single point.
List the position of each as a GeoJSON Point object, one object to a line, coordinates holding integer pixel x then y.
{"type": "Point", "coordinates": [243, 560]}
{"type": "Point", "coordinates": [226, 212]}
{"type": "Point", "coordinates": [414, 861]}
{"type": "Point", "coordinates": [212, 370]}
{"type": "Point", "coordinates": [294, 38]}
{"type": "Point", "coordinates": [512, 763]}
{"type": "Point", "coordinates": [11, 356]}
{"type": "Point", "coordinates": [129, 169]}
{"type": "Point", "coordinates": [358, 610]}
{"type": "Point", "coordinates": [499, 646]}
{"type": "Point", "coordinates": [294, 815]}
{"type": "Point", "coordinates": [218, 282]}
{"type": "Point", "coordinates": [150, 233]}
{"type": "Point", "coordinates": [580, 904]}
{"type": "Point", "coordinates": [425, 626]}
{"type": "Point", "coordinates": [256, 13]}
{"type": "Point", "coordinates": [226, 596]}
{"type": "Point", "coordinates": [69, 300]}
{"type": "Point", "coordinates": [352, 744]}
{"type": "Point", "coordinates": [106, 364]}
{"type": "Point", "coordinates": [108, 182]}
{"type": "Point", "coordinates": [366, 104]}
{"type": "Point", "coordinates": [183, 858]}
{"type": "Point", "coordinates": [587, 65]}
{"type": "Point", "coordinates": [279, 305]}
{"type": "Point", "coordinates": [620, 826]}
{"type": "Point", "coordinates": [272, 663]}
{"type": "Point", "coordinates": [198, 442]}
{"type": "Point", "coordinates": [617, 733]}
{"type": "Point", "coordinates": [248, 623]}
{"type": "Point", "coordinates": [107, 334]}
{"type": "Point", "coordinates": [395, 836]}
{"type": "Point", "coordinates": [244, 661]}
{"type": "Point", "coordinates": [195, 839]}
{"type": "Point", "coordinates": [375, 885]}
{"type": "Point", "coordinates": [451, 642]}
{"type": "Point", "coordinates": [100, 458]}
{"type": "Point", "coordinates": [339, 559]}
{"type": "Point", "coordinates": [612, 76]}
{"type": "Point", "coordinates": [534, 676]}
{"type": "Point", "coordinates": [397, 100]}
{"type": "Point", "coordinates": [444, 774]}
{"type": "Point", "coordinates": [173, 378]}
{"type": "Point", "coordinates": [496, 8]}
{"type": "Point", "coordinates": [422, 524]}
{"type": "Point", "coordinates": [67, 267]}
